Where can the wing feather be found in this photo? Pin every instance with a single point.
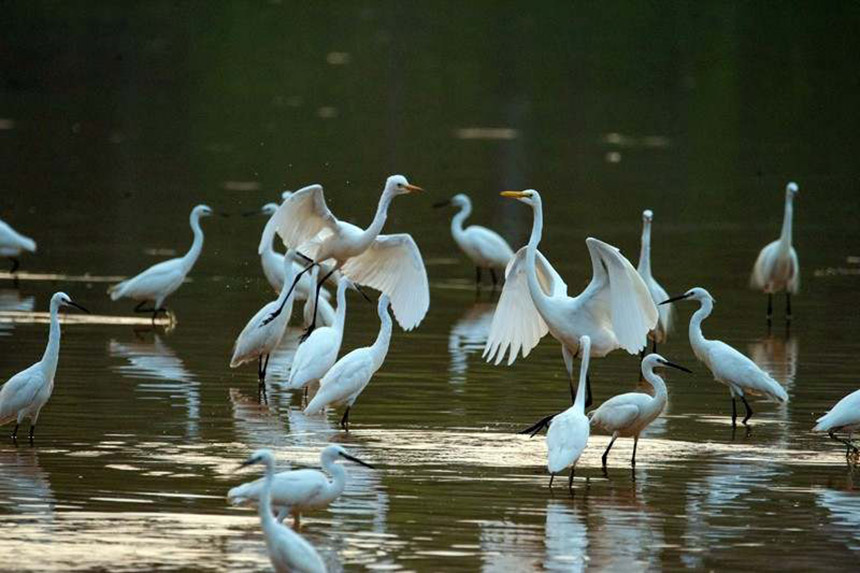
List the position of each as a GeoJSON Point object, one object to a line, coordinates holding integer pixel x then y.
{"type": "Point", "coordinates": [302, 217]}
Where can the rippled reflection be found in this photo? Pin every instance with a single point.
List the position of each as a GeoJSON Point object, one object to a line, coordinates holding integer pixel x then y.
{"type": "Point", "coordinates": [776, 356]}
{"type": "Point", "coordinates": [468, 336]}
{"type": "Point", "coordinates": [24, 487]}
{"type": "Point", "coordinates": [11, 300]}
{"type": "Point", "coordinates": [565, 538]}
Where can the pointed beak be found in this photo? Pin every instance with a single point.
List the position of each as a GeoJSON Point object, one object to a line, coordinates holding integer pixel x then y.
{"type": "Point", "coordinates": [675, 298]}
{"type": "Point", "coordinates": [364, 294]}
{"type": "Point", "coordinates": [413, 188]}
{"type": "Point", "coordinates": [356, 460]}
{"type": "Point", "coordinates": [677, 366]}
{"type": "Point", "coordinates": [513, 194]}
{"type": "Point", "coordinates": [79, 307]}
{"type": "Point", "coordinates": [441, 204]}
{"type": "Point", "coordinates": [246, 463]}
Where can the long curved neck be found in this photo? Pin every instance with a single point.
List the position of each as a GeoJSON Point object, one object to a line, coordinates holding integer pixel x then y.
{"type": "Point", "coordinates": [380, 345]}
{"type": "Point", "coordinates": [697, 339]}
{"type": "Point", "coordinates": [645, 252]}
{"type": "Point", "coordinates": [579, 402]}
{"type": "Point", "coordinates": [785, 236]}
{"type": "Point", "coordinates": [340, 313]}
{"type": "Point", "coordinates": [338, 478]}
{"type": "Point", "coordinates": [191, 256]}
{"type": "Point", "coordinates": [458, 220]}
{"type": "Point", "coordinates": [660, 392]}
{"type": "Point", "coordinates": [538, 296]}
{"type": "Point", "coordinates": [378, 222]}
{"type": "Point", "coordinates": [52, 351]}
{"type": "Point", "coordinates": [264, 508]}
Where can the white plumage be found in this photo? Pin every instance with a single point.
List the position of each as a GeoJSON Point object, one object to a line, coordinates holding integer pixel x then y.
{"type": "Point", "coordinates": [658, 293]}
{"type": "Point", "coordinates": [25, 394]}
{"type": "Point", "coordinates": [13, 243]}
{"type": "Point", "coordinates": [843, 417]}
{"type": "Point", "coordinates": [159, 281]}
{"type": "Point", "coordinates": [343, 383]}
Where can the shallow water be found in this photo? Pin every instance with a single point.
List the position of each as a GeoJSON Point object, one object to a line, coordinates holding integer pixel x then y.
{"type": "Point", "coordinates": [116, 123]}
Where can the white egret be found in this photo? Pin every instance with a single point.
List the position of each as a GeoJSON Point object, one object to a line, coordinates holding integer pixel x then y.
{"type": "Point", "coordinates": [843, 417]}
{"type": "Point", "coordinates": [13, 243]}
{"type": "Point", "coordinates": [325, 312]}
{"type": "Point", "coordinates": [728, 366]}
{"type": "Point", "coordinates": [300, 491]}
{"type": "Point", "coordinates": [159, 281]}
{"type": "Point", "coordinates": [259, 339]}
{"type": "Point", "coordinates": [568, 431]}
{"type": "Point", "coordinates": [777, 269]}
{"type": "Point", "coordinates": [627, 415]}
{"type": "Point", "coordinates": [24, 394]}
{"type": "Point", "coordinates": [615, 310]}
{"type": "Point", "coordinates": [391, 264]}
{"type": "Point", "coordinates": [316, 355]}
{"type": "Point", "coordinates": [486, 248]}
{"type": "Point", "coordinates": [343, 383]}
{"type": "Point", "coordinates": [658, 293]}
{"type": "Point", "coordinates": [288, 551]}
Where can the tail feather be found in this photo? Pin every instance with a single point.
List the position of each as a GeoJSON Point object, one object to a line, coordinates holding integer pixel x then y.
{"type": "Point", "coordinates": [28, 244]}
{"type": "Point", "coordinates": [116, 291]}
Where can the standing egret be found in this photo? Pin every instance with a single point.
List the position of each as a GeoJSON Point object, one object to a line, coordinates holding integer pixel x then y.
{"type": "Point", "coordinates": [316, 355]}
{"type": "Point", "coordinates": [25, 393]}
{"type": "Point", "coordinates": [300, 491]}
{"type": "Point", "coordinates": [843, 417]}
{"type": "Point", "coordinates": [777, 269]}
{"type": "Point", "coordinates": [615, 310]}
{"type": "Point", "coordinates": [160, 280]}
{"type": "Point", "coordinates": [13, 243]}
{"type": "Point", "coordinates": [391, 264]}
{"type": "Point", "coordinates": [486, 248]}
{"type": "Point", "coordinates": [288, 551]}
{"type": "Point", "coordinates": [627, 415]}
{"type": "Point", "coordinates": [258, 340]}
{"type": "Point", "coordinates": [343, 383]}
{"type": "Point", "coordinates": [569, 430]}
{"type": "Point", "coordinates": [658, 293]}
{"type": "Point", "coordinates": [728, 366]}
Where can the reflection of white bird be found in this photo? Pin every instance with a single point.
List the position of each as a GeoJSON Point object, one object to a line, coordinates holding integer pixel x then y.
{"type": "Point", "coordinates": [258, 339]}
{"type": "Point", "coordinates": [615, 310]}
{"type": "Point", "coordinates": [300, 491]}
{"type": "Point", "coordinates": [316, 355]}
{"type": "Point", "coordinates": [159, 281]}
{"type": "Point", "coordinates": [658, 293]}
{"type": "Point", "coordinates": [11, 299]}
{"type": "Point", "coordinates": [777, 269]}
{"type": "Point", "coordinates": [391, 264]}
{"type": "Point", "coordinates": [728, 366]}
{"type": "Point", "coordinates": [25, 393]}
{"type": "Point", "coordinates": [343, 383]}
{"type": "Point", "coordinates": [843, 417]}
{"type": "Point", "coordinates": [626, 415]}
{"type": "Point", "coordinates": [468, 335]}
{"type": "Point", "coordinates": [288, 551]}
{"type": "Point", "coordinates": [13, 243]}
{"type": "Point", "coordinates": [486, 248]}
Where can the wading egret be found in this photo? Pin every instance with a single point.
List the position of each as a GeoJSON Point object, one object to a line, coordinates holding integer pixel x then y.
{"type": "Point", "coordinates": [343, 383]}
{"type": "Point", "coordinates": [728, 366]}
{"type": "Point", "coordinates": [658, 293]}
{"type": "Point", "coordinates": [325, 313]}
{"type": "Point", "coordinates": [615, 310]}
{"type": "Point", "coordinates": [776, 269]}
{"type": "Point", "coordinates": [300, 491]}
{"type": "Point", "coordinates": [288, 551]}
{"type": "Point", "coordinates": [25, 393]}
{"type": "Point", "coordinates": [486, 248]}
{"type": "Point", "coordinates": [627, 415]}
{"type": "Point", "coordinates": [843, 417]}
{"type": "Point", "coordinates": [159, 281]}
{"type": "Point", "coordinates": [391, 264]}
{"type": "Point", "coordinates": [316, 355]}
{"type": "Point", "coordinates": [258, 340]}
{"type": "Point", "coordinates": [569, 430]}
{"type": "Point", "coordinates": [13, 243]}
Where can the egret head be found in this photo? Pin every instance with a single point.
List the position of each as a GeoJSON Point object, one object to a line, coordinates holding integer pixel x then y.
{"type": "Point", "coordinates": [332, 452]}
{"type": "Point", "coordinates": [62, 299]}
{"type": "Point", "coordinates": [286, 195]}
{"type": "Point", "coordinates": [398, 185]}
{"type": "Point", "coordinates": [201, 211]}
{"type": "Point", "coordinates": [652, 361]}
{"type": "Point", "coordinates": [791, 190]}
{"type": "Point", "coordinates": [697, 293]}
{"type": "Point", "coordinates": [529, 196]}
{"type": "Point", "coordinates": [262, 456]}
{"type": "Point", "coordinates": [647, 215]}
{"type": "Point", "coordinates": [269, 209]}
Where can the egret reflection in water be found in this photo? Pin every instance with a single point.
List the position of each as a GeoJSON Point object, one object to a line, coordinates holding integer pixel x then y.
{"type": "Point", "coordinates": [565, 537]}
{"type": "Point", "coordinates": [13, 300]}
{"type": "Point", "coordinates": [25, 487]}
{"type": "Point", "coordinates": [467, 337]}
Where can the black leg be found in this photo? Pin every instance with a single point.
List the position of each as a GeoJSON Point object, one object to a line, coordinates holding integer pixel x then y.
{"type": "Point", "coordinates": [570, 479]}
{"type": "Point", "coordinates": [265, 368]}
{"type": "Point", "coordinates": [540, 425]}
{"type": "Point", "coordinates": [769, 307]}
{"type": "Point", "coordinates": [313, 324]}
{"type": "Point", "coordinates": [140, 309]}
{"type": "Point", "coordinates": [15, 264]}
{"type": "Point", "coordinates": [32, 433]}
{"type": "Point", "coordinates": [14, 435]}
{"type": "Point", "coordinates": [606, 453]}
{"type": "Point", "coordinates": [588, 399]}
{"type": "Point", "coordinates": [635, 444]}
{"type": "Point", "coordinates": [788, 307]}
{"type": "Point", "coordinates": [654, 346]}
{"type": "Point", "coordinates": [749, 410]}
{"type": "Point", "coordinates": [495, 278]}
{"type": "Point", "coordinates": [477, 277]}
{"type": "Point", "coordinates": [551, 477]}
{"type": "Point", "coordinates": [344, 422]}
{"type": "Point", "coordinates": [275, 314]}
{"type": "Point", "coordinates": [734, 413]}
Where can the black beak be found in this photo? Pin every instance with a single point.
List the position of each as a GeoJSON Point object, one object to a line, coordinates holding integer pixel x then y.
{"type": "Point", "coordinates": [364, 294]}
{"type": "Point", "coordinates": [306, 258]}
{"type": "Point", "coordinates": [673, 365]}
{"type": "Point", "coordinates": [356, 460]}
{"type": "Point", "coordinates": [76, 305]}
{"type": "Point", "coordinates": [441, 204]}
{"type": "Point", "coordinates": [674, 298]}
{"type": "Point", "coordinates": [246, 463]}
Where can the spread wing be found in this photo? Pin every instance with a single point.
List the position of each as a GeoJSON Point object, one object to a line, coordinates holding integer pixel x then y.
{"type": "Point", "coordinates": [517, 324]}
{"type": "Point", "coordinates": [302, 216]}
{"type": "Point", "coordinates": [393, 265]}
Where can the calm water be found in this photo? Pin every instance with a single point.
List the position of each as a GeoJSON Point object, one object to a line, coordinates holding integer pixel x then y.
{"type": "Point", "coordinates": [115, 122]}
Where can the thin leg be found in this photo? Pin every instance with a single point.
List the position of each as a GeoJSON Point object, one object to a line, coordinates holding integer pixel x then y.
{"type": "Point", "coordinates": [140, 309]}
{"type": "Point", "coordinates": [32, 432]}
{"type": "Point", "coordinates": [15, 264]}
{"type": "Point", "coordinates": [313, 324]}
{"type": "Point", "coordinates": [769, 307]}
{"type": "Point", "coordinates": [588, 399]}
{"type": "Point", "coordinates": [551, 477]}
{"type": "Point", "coordinates": [788, 307]}
{"type": "Point", "coordinates": [609, 447]}
{"type": "Point", "coordinates": [849, 445]}
{"type": "Point", "coordinates": [654, 346]}
{"type": "Point", "coordinates": [495, 278]}
{"type": "Point", "coordinates": [265, 368]}
{"type": "Point", "coordinates": [14, 435]}
{"type": "Point", "coordinates": [635, 443]}
{"type": "Point", "coordinates": [570, 479]}
{"type": "Point", "coordinates": [275, 314]}
{"type": "Point", "coordinates": [734, 413]}
{"type": "Point", "coordinates": [478, 277]}
{"type": "Point", "coordinates": [344, 422]}
{"type": "Point", "coordinates": [749, 410]}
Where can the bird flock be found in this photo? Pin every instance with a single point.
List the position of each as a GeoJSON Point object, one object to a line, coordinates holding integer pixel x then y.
{"type": "Point", "coordinates": [622, 307]}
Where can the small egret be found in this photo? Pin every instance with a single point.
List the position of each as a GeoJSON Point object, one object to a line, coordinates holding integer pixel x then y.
{"type": "Point", "coordinates": [728, 366]}
{"type": "Point", "coordinates": [615, 310]}
{"type": "Point", "coordinates": [25, 393]}
{"type": "Point", "coordinates": [258, 340]}
{"type": "Point", "coordinates": [391, 264]}
{"type": "Point", "coordinates": [343, 383]}
{"type": "Point", "coordinates": [301, 491]}
{"type": "Point", "coordinates": [658, 293]}
{"type": "Point", "coordinates": [569, 430]}
{"type": "Point", "coordinates": [288, 551]}
{"type": "Point", "coordinates": [843, 417]}
{"type": "Point", "coordinates": [13, 243]}
{"type": "Point", "coordinates": [777, 269]}
{"type": "Point", "coordinates": [627, 415]}
{"type": "Point", "coordinates": [325, 311]}
{"type": "Point", "coordinates": [159, 281]}
{"type": "Point", "coordinates": [486, 248]}
{"type": "Point", "coordinates": [316, 355]}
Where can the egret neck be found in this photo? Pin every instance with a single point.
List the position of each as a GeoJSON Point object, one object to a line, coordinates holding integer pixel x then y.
{"type": "Point", "coordinates": [191, 256]}
{"type": "Point", "coordinates": [697, 339]}
{"type": "Point", "coordinates": [368, 235]}
{"type": "Point", "coordinates": [458, 220]}
{"type": "Point", "coordinates": [645, 252]}
{"type": "Point", "coordinates": [538, 296]}
{"type": "Point", "coordinates": [785, 236]}
{"type": "Point", "coordinates": [380, 346]}
{"type": "Point", "coordinates": [661, 394]}
{"type": "Point", "coordinates": [340, 313]}
{"type": "Point", "coordinates": [264, 508]}
{"type": "Point", "coordinates": [52, 351]}
{"type": "Point", "coordinates": [585, 357]}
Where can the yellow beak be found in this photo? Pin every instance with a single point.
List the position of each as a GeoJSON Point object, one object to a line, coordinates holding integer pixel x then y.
{"type": "Point", "coordinates": [413, 188]}
{"type": "Point", "coordinates": [513, 194]}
